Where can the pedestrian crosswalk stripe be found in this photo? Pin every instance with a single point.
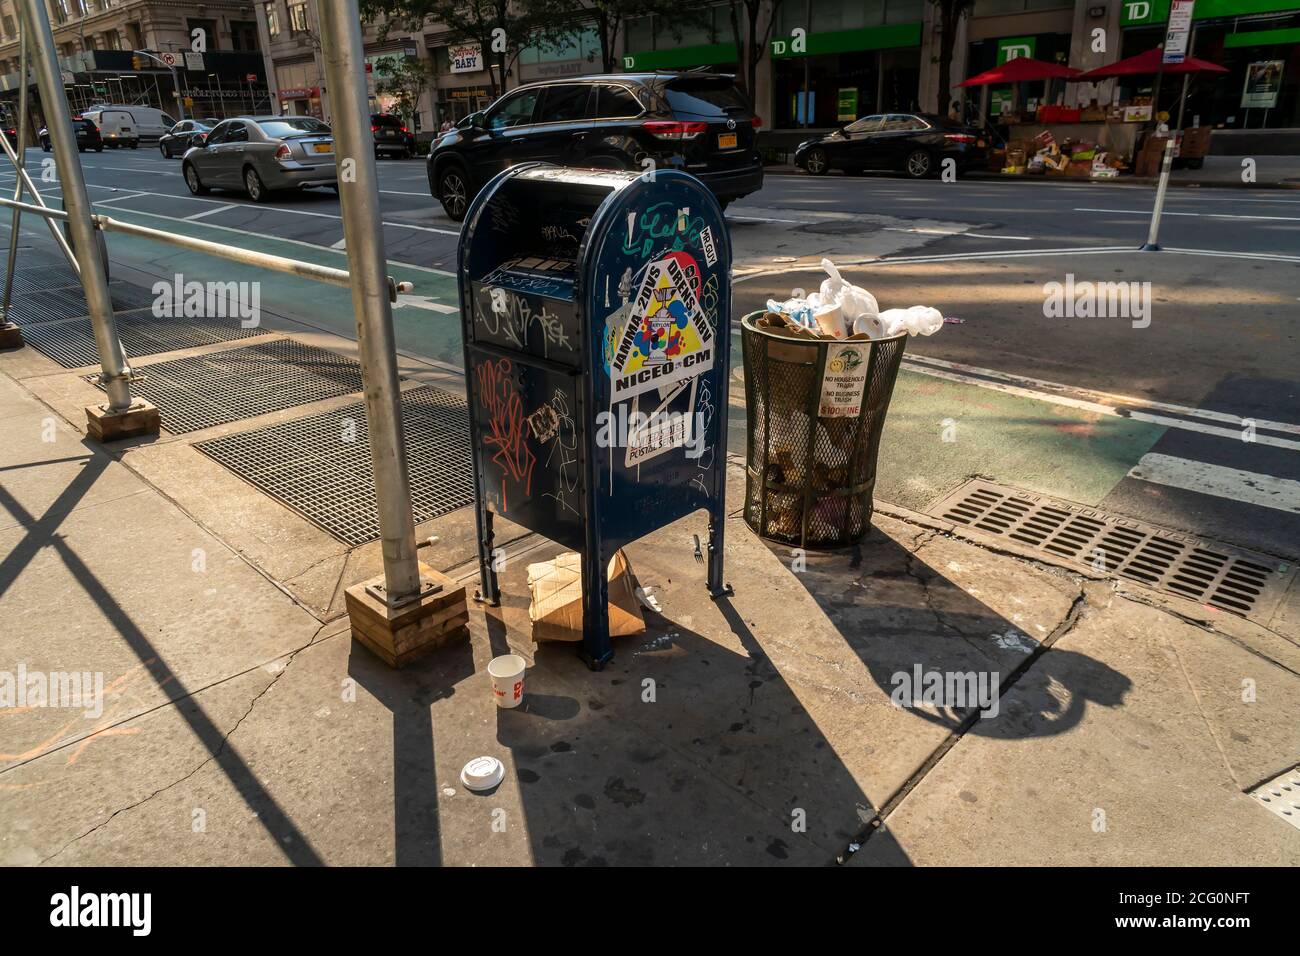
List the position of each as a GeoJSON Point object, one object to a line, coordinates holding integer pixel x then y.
{"type": "Point", "coordinates": [1281, 494]}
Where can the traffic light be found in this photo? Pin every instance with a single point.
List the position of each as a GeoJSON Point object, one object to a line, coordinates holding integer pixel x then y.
{"type": "Point", "coordinates": [137, 63]}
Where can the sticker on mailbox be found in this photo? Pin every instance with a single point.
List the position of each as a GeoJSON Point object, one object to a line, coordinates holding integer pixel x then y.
{"type": "Point", "coordinates": [666, 339]}
{"type": "Point", "coordinates": [843, 381]}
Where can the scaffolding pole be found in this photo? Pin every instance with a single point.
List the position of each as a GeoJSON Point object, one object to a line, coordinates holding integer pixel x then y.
{"type": "Point", "coordinates": [20, 160]}
{"type": "Point", "coordinates": [115, 373]}
{"type": "Point", "coordinates": [340, 34]}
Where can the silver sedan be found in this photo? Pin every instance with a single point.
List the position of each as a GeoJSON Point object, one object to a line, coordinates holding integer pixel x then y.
{"type": "Point", "coordinates": [260, 154]}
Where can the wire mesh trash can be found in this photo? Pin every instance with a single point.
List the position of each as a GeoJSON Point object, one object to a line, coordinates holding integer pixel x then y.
{"type": "Point", "coordinates": [816, 408]}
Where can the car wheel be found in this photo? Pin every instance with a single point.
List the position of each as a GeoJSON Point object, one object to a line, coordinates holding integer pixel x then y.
{"type": "Point", "coordinates": [453, 191]}
{"type": "Point", "coordinates": [816, 162]}
{"type": "Point", "coordinates": [254, 186]}
{"type": "Point", "coordinates": [99, 149]}
{"type": "Point", "coordinates": [192, 180]}
{"type": "Point", "coordinates": [162, 148]}
{"type": "Point", "coordinates": [918, 164]}
{"type": "Point", "coordinates": [81, 149]}
{"type": "Point", "coordinates": [45, 145]}
{"type": "Point", "coordinates": [135, 144]}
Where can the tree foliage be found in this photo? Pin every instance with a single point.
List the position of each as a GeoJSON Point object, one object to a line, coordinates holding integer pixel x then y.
{"type": "Point", "coordinates": [949, 13]}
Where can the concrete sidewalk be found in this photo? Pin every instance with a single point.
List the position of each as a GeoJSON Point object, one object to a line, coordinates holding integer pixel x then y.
{"type": "Point", "coordinates": [241, 725]}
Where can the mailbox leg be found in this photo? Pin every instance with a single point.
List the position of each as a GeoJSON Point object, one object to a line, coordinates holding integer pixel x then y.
{"type": "Point", "coordinates": [489, 591]}
{"type": "Point", "coordinates": [596, 649]}
{"type": "Point", "coordinates": [717, 526]}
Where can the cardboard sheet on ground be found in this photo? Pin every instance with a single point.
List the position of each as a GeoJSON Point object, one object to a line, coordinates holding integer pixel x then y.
{"type": "Point", "coordinates": [556, 608]}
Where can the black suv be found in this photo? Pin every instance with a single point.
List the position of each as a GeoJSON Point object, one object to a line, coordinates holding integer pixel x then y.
{"type": "Point", "coordinates": [392, 135]}
{"type": "Point", "coordinates": [87, 136]}
{"type": "Point", "coordinates": [699, 123]}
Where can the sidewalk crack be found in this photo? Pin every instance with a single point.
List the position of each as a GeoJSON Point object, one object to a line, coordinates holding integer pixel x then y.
{"type": "Point", "coordinates": [225, 739]}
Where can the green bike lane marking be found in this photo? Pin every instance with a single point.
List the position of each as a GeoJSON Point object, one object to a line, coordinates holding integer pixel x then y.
{"type": "Point", "coordinates": [419, 331]}
{"type": "Point", "coordinates": [1028, 443]}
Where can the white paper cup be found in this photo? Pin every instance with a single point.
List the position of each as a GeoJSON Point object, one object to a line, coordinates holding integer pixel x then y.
{"type": "Point", "coordinates": [507, 673]}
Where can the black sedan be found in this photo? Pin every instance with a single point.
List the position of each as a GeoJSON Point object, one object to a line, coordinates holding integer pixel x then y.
{"type": "Point", "coordinates": [88, 136]}
{"type": "Point", "coordinates": [181, 137]}
{"type": "Point", "coordinates": [912, 143]}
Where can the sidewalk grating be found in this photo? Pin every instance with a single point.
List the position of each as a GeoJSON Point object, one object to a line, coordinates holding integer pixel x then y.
{"type": "Point", "coordinates": [1232, 579]}
{"type": "Point", "coordinates": [206, 390]}
{"type": "Point", "coordinates": [320, 465]}
{"type": "Point", "coordinates": [72, 343]}
{"type": "Point", "coordinates": [40, 278]}
{"type": "Point", "coordinates": [56, 305]}
{"type": "Point", "coordinates": [1281, 795]}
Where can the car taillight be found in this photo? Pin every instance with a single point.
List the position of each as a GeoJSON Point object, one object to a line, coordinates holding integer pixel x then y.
{"type": "Point", "coordinates": [959, 137]}
{"type": "Point", "coordinates": [756, 122]}
{"type": "Point", "coordinates": [404, 129]}
{"type": "Point", "coordinates": [672, 129]}
{"type": "Point", "coordinates": [284, 152]}
{"type": "Point", "coordinates": [374, 128]}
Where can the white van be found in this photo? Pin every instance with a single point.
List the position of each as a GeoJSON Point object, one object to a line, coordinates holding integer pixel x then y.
{"type": "Point", "coordinates": [116, 126]}
{"type": "Point", "coordinates": [143, 122]}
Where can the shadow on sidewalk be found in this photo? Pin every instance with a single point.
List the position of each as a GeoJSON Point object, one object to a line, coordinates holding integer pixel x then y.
{"type": "Point", "coordinates": [43, 532]}
{"type": "Point", "coordinates": [902, 618]}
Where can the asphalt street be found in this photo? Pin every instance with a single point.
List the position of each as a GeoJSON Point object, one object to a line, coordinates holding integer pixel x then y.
{"type": "Point", "coordinates": [1189, 418]}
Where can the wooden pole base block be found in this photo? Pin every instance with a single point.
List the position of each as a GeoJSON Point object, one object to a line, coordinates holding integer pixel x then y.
{"type": "Point", "coordinates": [11, 336]}
{"type": "Point", "coordinates": [400, 635]}
{"type": "Point", "coordinates": [104, 425]}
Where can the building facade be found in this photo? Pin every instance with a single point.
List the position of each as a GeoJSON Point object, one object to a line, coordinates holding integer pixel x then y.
{"type": "Point", "coordinates": [828, 62]}
{"type": "Point", "coordinates": [96, 42]}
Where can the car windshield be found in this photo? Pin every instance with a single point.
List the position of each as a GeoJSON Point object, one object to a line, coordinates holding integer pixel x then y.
{"type": "Point", "coordinates": [706, 96]}
{"type": "Point", "coordinates": [293, 126]}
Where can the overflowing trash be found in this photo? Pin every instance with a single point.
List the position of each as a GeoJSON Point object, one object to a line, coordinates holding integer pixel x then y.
{"type": "Point", "coordinates": [842, 310]}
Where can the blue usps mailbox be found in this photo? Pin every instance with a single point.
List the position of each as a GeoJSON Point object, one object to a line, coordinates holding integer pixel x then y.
{"type": "Point", "coordinates": [595, 307]}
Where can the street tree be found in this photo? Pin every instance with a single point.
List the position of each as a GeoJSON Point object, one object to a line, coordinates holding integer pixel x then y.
{"type": "Point", "coordinates": [404, 79]}
{"type": "Point", "coordinates": [555, 21]}
{"type": "Point", "coordinates": [750, 37]}
{"type": "Point", "coordinates": [949, 13]}
{"type": "Point", "coordinates": [500, 28]}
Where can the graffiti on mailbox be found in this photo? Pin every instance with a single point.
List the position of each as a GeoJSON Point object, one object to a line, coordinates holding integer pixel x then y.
{"type": "Point", "coordinates": [507, 429]}
{"type": "Point", "coordinates": [512, 316]}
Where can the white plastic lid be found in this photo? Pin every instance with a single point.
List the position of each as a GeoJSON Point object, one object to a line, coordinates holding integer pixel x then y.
{"type": "Point", "coordinates": [482, 773]}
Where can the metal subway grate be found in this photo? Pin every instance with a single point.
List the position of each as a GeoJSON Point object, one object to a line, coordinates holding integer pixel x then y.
{"type": "Point", "coordinates": [320, 465]}
{"type": "Point", "coordinates": [1208, 572]}
{"type": "Point", "coordinates": [40, 278]}
{"type": "Point", "coordinates": [206, 390]}
{"type": "Point", "coordinates": [1281, 795]}
{"type": "Point", "coordinates": [72, 343]}
{"type": "Point", "coordinates": [57, 305]}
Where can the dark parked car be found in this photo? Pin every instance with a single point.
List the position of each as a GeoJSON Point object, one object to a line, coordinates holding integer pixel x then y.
{"type": "Point", "coordinates": [260, 154]}
{"type": "Point", "coordinates": [88, 136]}
{"type": "Point", "coordinates": [699, 123]}
{"type": "Point", "coordinates": [392, 135]}
{"type": "Point", "coordinates": [913, 143]}
{"type": "Point", "coordinates": [181, 137]}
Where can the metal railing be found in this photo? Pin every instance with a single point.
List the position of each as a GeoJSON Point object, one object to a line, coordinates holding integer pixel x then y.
{"type": "Point", "coordinates": [373, 290]}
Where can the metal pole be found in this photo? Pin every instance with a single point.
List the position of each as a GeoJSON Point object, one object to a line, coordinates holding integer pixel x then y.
{"type": "Point", "coordinates": [25, 178]}
{"type": "Point", "coordinates": [1151, 245]}
{"type": "Point", "coordinates": [21, 158]}
{"type": "Point", "coordinates": [340, 34]}
{"type": "Point", "coordinates": [115, 374]}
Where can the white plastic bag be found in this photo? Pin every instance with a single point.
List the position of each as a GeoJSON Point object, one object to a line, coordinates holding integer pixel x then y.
{"type": "Point", "coordinates": [917, 320]}
{"type": "Point", "coordinates": [854, 301]}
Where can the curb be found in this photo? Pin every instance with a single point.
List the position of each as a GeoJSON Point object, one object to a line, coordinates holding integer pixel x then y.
{"type": "Point", "coordinates": [1129, 181]}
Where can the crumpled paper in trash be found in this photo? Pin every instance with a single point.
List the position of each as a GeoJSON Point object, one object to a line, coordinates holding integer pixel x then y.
{"type": "Point", "coordinates": [840, 309]}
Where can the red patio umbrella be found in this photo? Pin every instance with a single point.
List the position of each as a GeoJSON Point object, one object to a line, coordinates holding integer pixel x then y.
{"type": "Point", "coordinates": [1022, 69]}
{"type": "Point", "coordinates": [1148, 63]}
